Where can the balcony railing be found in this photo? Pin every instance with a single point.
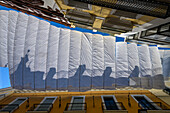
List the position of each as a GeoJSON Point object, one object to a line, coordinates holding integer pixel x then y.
{"type": "Point", "coordinates": [3, 95]}
{"type": "Point", "coordinates": [76, 107]}
{"type": "Point", "coordinates": [156, 105]}
{"type": "Point", "coordinates": [119, 105]}
{"type": "Point", "coordinates": [8, 107]}
{"type": "Point", "coordinates": [41, 107]}
{"type": "Point", "coordinates": [167, 90]}
{"type": "Point", "coordinates": [153, 111]}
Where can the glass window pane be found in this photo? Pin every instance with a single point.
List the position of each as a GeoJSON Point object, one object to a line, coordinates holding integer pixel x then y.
{"type": "Point", "coordinates": [110, 103]}
{"type": "Point", "coordinates": [48, 100]}
{"type": "Point", "coordinates": [151, 31]}
{"type": "Point", "coordinates": [143, 33]}
{"type": "Point", "coordinates": [11, 106]}
{"type": "Point", "coordinates": [19, 101]}
{"type": "Point", "coordinates": [164, 28]}
{"type": "Point", "coordinates": [77, 103]}
{"type": "Point", "coordinates": [144, 103]}
{"type": "Point", "coordinates": [45, 105]}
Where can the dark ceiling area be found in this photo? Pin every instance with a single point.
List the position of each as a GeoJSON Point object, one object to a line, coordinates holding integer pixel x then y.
{"type": "Point", "coordinates": [157, 8]}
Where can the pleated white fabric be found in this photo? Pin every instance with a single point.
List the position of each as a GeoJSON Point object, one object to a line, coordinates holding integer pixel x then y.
{"type": "Point", "coordinates": [166, 63]}
{"type": "Point", "coordinates": [63, 59]}
{"type": "Point", "coordinates": [133, 64]}
{"type": "Point", "coordinates": [41, 54]}
{"type": "Point", "coordinates": [109, 62]}
{"type": "Point", "coordinates": [156, 68]}
{"type": "Point", "coordinates": [19, 43]}
{"type": "Point", "coordinates": [3, 38]}
{"type": "Point", "coordinates": [155, 59]}
{"type": "Point", "coordinates": [43, 57]}
{"type": "Point", "coordinates": [98, 61]}
{"type": "Point", "coordinates": [145, 62]}
{"type": "Point", "coordinates": [133, 60]}
{"type": "Point", "coordinates": [86, 62]}
{"type": "Point", "coordinates": [29, 53]}
{"type": "Point", "coordinates": [145, 66]}
{"type": "Point", "coordinates": [74, 61]}
{"type": "Point", "coordinates": [12, 22]}
{"type": "Point", "coordinates": [121, 64]}
{"type": "Point", "coordinates": [52, 58]}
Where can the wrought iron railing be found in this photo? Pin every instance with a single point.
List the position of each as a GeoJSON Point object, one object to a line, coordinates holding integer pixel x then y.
{"type": "Point", "coordinates": [167, 90]}
{"type": "Point", "coordinates": [3, 95]}
{"type": "Point", "coordinates": [41, 107]}
{"type": "Point", "coordinates": [151, 36]}
{"type": "Point", "coordinates": [8, 107]}
{"type": "Point", "coordinates": [118, 105]}
{"type": "Point", "coordinates": [156, 105]}
{"type": "Point", "coordinates": [76, 106]}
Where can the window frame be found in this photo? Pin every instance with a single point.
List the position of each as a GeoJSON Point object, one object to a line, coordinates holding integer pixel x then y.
{"type": "Point", "coordinates": [147, 98]}
{"type": "Point", "coordinates": [114, 98]}
{"type": "Point", "coordinates": [72, 99]}
{"type": "Point", "coordinates": [3, 95]}
{"type": "Point", "coordinates": [44, 100]}
{"type": "Point", "coordinates": [26, 98]}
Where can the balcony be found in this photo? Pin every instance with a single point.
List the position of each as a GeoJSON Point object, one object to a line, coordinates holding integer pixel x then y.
{"type": "Point", "coordinates": [8, 108]}
{"type": "Point", "coordinates": [117, 108]}
{"type": "Point", "coordinates": [76, 108]}
{"type": "Point", "coordinates": [167, 90]}
{"type": "Point", "coordinates": [159, 108]}
{"type": "Point", "coordinates": [41, 108]}
{"type": "Point", "coordinates": [156, 35]}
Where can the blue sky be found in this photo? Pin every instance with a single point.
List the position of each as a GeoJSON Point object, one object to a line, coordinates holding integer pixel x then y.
{"type": "Point", "coordinates": [4, 78]}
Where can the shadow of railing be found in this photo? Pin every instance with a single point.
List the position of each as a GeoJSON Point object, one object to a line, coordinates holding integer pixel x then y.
{"type": "Point", "coordinates": [117, 106]}
{"type": "Point", "coordinates": [156, 106]}
{"type": "Point", "coordinates": [8, 107]}
{"type": "Point", "coordinates": [41, 107]}
{"type": "Point", "coordinates": [76, 107]}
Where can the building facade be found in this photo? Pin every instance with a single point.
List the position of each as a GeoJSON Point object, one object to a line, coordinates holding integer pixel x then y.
{"type": "Point", "coordinates": [117, 101]}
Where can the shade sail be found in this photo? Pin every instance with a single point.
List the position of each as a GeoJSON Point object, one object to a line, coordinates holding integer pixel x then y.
{"type": "Point", "coordinates": [43, 57]}
{"type": "Point", "coordinates": [3, 38]}
{"type": "Point", "coordinates": [145, 66]}
{"type": "Point", "coordinates": [52, 58]}
{"type": "Point", "coordinates": [74, 60]}
{"type": "Point", "coordinates": [133, 64]}
{"type": "Point", "coordinates": [18, 54]}
{"type": "Point", "coordinates": [109, 62]}
{"type": "Point", "coordinates": [97, 61]}
{"type": "Point", "coordinates": [30, 43]}
{"type": "Point", "coordinates": [86, 62]}
{"type": "Point", "coordinates": [121, 64]}
{"type": "Point", "coordinates": [63, 59]}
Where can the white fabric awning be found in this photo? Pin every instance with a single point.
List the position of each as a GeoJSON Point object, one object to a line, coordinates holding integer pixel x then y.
{"type": "Point", "coordinates": [43, 57]}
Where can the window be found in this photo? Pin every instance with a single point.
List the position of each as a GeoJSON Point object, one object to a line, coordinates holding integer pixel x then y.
{"type": "Point", "coordinates": [46, 104]}
{"type": "Point", "coordinates": [110, 102]}
{"type": "Point", "coordinates": [151, 31]}
{"type": "Point", "coordinates": [3, 95]}
{"type": "Point", "coordinates": [13, 105]}
{"type": "Point", "coordinates": [145, 102]}
{"type": "Point", "coordinates": [77, 103]}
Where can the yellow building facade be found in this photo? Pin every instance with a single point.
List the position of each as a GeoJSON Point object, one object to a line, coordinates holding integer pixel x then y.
{"type": "Point", "coordinates": [126, 101]}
